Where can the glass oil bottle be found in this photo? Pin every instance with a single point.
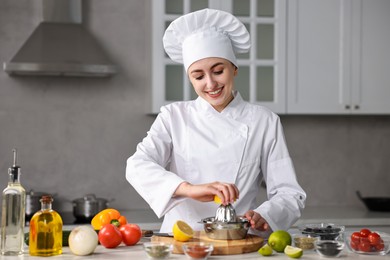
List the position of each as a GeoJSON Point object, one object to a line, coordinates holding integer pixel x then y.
{"type": "Point", "coordinates": [13, 213]}
{"type": "Point", "coordinates": [45, 230]}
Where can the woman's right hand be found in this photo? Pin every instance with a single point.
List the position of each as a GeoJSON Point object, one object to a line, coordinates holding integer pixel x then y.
{"type": "Point", "coordinates": [227, 192]}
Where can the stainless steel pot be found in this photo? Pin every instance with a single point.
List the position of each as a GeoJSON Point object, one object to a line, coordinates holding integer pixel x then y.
{"type": "Point", "coordinates": [87, 207]}
{"type": "Point", "coordinates": [32, 203]}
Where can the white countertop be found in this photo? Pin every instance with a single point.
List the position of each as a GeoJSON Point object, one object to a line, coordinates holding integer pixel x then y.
{"type": "Point", "coordinates": [136, 252]}
{"type": "Point", "coordinates": [352, 218]}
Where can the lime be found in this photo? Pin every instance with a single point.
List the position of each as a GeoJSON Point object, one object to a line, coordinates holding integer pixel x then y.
{"type": "Point", "coordinates": [293, 252]}
{"type": "Point", "coordinates": [265, 250]}
{"type": "Point", "coordinates": [279, 239]}
{"type": "Point", "coordinates": [182, 231]}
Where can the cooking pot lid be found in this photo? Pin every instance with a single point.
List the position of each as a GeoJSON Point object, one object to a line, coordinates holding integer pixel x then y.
{"type": "Point", "coordinates": [89, 198]}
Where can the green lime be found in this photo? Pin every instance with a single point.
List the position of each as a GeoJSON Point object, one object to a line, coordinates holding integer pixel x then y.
{"type": "Point", "coordinates": [293, 252]}
{"type": "Point", "coordinates": [265, 250]}
{"type": "Point", "coordinates": [279, 239]}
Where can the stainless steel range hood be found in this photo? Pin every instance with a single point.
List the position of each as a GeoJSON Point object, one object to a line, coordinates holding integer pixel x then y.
{"type": "Point", "coordinates": [61, 46]}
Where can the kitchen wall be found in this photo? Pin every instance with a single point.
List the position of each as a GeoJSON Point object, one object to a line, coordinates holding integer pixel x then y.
{"type": "Point", "coordinates": [75, 134]}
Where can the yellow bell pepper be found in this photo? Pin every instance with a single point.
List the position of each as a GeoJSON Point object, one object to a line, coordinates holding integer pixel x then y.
{"type": "Point", "coordinates": [108, 216]}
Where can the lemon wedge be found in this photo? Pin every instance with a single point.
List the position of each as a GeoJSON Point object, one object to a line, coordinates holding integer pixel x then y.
{"type": "Point", "coordinates": [293, 252]}
{"type": "Point", "coordinates": [182, 231]}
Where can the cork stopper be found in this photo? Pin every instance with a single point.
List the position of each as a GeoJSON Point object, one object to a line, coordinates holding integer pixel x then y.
{"type": "Point", "coordinates": [46, 199]}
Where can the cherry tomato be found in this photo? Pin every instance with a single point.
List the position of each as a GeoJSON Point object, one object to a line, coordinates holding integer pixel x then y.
{"type": "Point", "coordinates": [355, 237]}
{"type": "Point", "coordinates": [354, 245]}
{"type": "Point", "coordinates": [131, 234]}
{"type": "Point", "coordinates": [364, 246]}
{"type": "Point", "coordinates": [374, 238]}
{"type": "Point", "coordinates": [365, 232]}
{"type": "Point", "coordinates": [380, 246]}
{"type": "Point", "coordinates": [110, 236]}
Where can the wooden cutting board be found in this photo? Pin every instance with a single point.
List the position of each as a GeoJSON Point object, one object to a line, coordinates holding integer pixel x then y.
{"type": "Point", "coordinates": [251, 243]}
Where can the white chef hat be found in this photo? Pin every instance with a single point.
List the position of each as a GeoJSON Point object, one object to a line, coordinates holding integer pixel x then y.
{"type": "Point", "coordinates": [205, 33]}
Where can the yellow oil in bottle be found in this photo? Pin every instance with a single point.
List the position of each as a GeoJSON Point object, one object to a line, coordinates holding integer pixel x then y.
{"type": "Point", "coordinates": [45, 230]}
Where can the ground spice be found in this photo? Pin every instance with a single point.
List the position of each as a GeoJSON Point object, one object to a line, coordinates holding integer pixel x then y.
{"type": "Point", "coordinates": [158, 252]}
{"type": "Point", "coordinates": [329, 248]}
{"type": "Point", "coordinates": [198, 251]}
{"type": "Point", "coordinates": [305, 243]}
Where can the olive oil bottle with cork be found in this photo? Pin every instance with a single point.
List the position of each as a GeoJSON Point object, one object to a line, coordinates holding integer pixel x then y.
{"type": "Point", "coordinates": [45, 230]}
{"type": "Point", "coordinates": [13, 213]}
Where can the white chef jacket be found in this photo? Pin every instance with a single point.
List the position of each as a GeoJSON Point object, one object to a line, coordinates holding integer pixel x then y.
{"type": "Point", "coordinates": [191, 141]}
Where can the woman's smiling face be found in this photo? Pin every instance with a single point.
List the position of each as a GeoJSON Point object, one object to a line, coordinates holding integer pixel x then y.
{"type": "Point", "coordinates": [213, 80]}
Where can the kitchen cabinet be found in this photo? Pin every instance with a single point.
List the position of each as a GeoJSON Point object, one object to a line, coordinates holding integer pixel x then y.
{"type": "Point", "coordinates": [261, 77]}
{"type": "Point", "coordinates": [338, 58]}
{"type": "Point", "coordinates": [307, 56]}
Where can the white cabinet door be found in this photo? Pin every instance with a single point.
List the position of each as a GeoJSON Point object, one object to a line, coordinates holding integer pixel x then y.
{"type": "Point", "coordinates": [318, 56]}
{"type": "Point", "coordinates": [371, 56]}
{"type": "Point", "coordinates": [338, 58]}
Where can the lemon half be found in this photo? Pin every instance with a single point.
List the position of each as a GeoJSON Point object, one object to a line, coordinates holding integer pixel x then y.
{"type": "Point", "coordinates": [182, 231]}
{"type": "Point", "coordinates": [293, 252]}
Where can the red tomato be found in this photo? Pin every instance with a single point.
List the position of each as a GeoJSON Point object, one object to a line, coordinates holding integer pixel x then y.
{"type": "Point", "coordinates": [354, 245]}
{"type": "Point", "coordinates": [365, 232]}
{"type": "Point", "coordinates": [380, 246]}
{"type": "Point", "coordinates": [355, 237]}
{"type": "Point", "coordinates": [131, 234]}
{"type": "Point", "coordinates": [365, 247]}
{"type": "Point", "coordinates": [110, 236]}
{"type": "Point", "coordinates": [374, 238]}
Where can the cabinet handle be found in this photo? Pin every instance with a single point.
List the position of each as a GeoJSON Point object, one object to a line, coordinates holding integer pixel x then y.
{"type": "Point", "coordinates": [357, 107]}
{"type": "Point", "coordinates": [347, 107]}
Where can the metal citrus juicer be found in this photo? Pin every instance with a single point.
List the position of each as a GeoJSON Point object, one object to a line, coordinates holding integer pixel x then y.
{"type": "Point", "coordinates": [225, 213]}
{"type": "Point", "coordinates": [226, 225]}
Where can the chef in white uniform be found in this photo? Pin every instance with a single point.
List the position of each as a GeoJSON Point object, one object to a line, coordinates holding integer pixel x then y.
{"type": "Point", "coordinates": [217, 144]}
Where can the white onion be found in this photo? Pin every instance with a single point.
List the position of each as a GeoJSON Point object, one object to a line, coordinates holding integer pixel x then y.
{"type": "Point", "coordinates": [83, 240]}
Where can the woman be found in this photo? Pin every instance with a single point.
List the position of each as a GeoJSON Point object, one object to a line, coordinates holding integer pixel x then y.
{"type": "Point", "coordinates": [217, 144]}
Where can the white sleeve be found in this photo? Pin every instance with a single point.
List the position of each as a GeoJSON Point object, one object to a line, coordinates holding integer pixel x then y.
{"type": "Point", "coordinates": [146, 170]}
{"type": "Point", "coordinates": [286, 198]}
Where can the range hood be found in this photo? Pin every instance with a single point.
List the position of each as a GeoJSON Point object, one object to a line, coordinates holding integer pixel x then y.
{"type": "Point", "coordinates": [61, 46]}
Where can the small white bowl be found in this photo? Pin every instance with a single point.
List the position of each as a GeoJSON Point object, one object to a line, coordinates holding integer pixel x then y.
{"type": "Point", "coordinates": [326, 231]}
{"type": "Point", "coordinates": [329, 248]}
{"type": "Point", "coordinates": [305, 242]}
{"type": "Point", "coordinates": [198, 250]}
{"type": "Point", "coordinates": [158, 250]}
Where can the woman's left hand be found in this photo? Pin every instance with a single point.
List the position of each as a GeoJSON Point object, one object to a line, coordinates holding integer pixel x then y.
{"type": "Point", "coordinates": [257, 221]}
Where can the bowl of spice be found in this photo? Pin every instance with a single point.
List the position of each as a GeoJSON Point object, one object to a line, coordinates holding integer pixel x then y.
{"type": "Point", "coordinates": [305, 241]}
{"type": "Point", "coordinates": [329, 248]}
{"type": "Point", "coordinates": [326, 231]}
{"type": "Point", "coordinates": [198, 250]}
{"type": "Point", "coordinates": [158, 250]}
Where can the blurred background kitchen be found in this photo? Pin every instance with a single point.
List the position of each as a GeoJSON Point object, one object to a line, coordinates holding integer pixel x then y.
{"type": "Point", "coordinates": [74, 134]}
